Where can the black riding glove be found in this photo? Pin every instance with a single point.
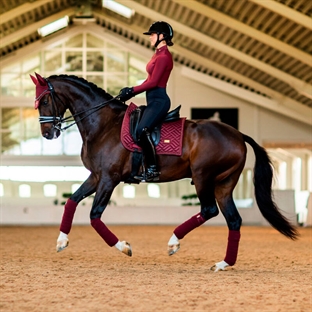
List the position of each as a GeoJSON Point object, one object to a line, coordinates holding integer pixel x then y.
{"type": "Point", "coordinates": [126, 94]}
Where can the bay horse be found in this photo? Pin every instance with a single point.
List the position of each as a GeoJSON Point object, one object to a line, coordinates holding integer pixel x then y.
{"type": "Point", "coordinates": [213, 156]}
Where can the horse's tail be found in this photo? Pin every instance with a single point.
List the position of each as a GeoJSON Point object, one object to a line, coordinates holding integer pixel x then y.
{"type": "Point", "coordinates": [263, 175]}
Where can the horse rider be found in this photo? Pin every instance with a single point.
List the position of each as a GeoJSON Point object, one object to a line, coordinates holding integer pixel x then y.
{"type": "Point", "coordinates": [158, 102]}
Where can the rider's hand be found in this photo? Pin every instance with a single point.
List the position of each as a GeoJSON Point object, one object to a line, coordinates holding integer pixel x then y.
{"type": "Point", "coordinates": [126, 94]}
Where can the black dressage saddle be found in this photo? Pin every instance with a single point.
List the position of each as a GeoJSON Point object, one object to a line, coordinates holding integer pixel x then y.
{"type": "Point", "coordinates": [136, 116]}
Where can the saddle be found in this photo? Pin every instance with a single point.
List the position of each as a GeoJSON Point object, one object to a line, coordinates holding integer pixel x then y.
{"type": "Point", "coordinates": [136, 116]}
{"type": "Point", "coordinates": [167, 136]}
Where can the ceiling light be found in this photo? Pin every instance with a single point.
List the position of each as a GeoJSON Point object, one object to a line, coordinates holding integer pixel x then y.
{"type": "Point", "coordinates": [54, 26]}
{"type": "Point", "coordinates": [118, 8]}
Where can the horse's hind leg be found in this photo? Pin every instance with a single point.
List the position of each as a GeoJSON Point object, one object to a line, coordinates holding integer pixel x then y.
{"type": "Point", "coordinates": [227, 206]}
{"type": "Point", "coordinates": [85, 190]}
{"type": "Point", "coordinates": [208, 210]}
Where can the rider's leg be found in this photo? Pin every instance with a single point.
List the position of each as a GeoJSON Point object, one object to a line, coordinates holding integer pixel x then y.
{"type": "Point", "coordinates": [158, 104]}
{"type": "Point", "coordinates": [147, 145]}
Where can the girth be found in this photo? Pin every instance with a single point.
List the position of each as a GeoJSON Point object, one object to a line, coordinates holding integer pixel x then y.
{"type": "Point", "coordinates": [136, 116]}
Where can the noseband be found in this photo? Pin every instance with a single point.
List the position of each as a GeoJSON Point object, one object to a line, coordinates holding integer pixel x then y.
{"type": "Point", "coordinates": [57, 121]}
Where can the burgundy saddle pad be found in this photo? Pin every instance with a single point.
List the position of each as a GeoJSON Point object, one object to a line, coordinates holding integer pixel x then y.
{"type": "Point", "coordinates": [171, 135]}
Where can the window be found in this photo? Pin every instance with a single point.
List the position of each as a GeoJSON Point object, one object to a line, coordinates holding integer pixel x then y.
{"type": "Point", "coordinates": [75, 187]}
{"type": "Point", "coordinates": [49, 190]}
{"type": "Point", "coordinates": [106, 64]}
{"type": "Point", "coordinates": [24, 190]}
{"type": "Point", "coordinates": [128, 191]}
{"type": "Point", "coordinates": [243, 191]}
{"type": "Point", "coordinates": [153, 190]}
{"type": "Point", "coordinates": [43, 173]}
{"type": "Point", "coordinates": [1, 190]}
{"type": "Point", "coordinates": [296, 168]}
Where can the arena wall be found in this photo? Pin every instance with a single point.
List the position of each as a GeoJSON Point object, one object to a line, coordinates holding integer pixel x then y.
{"type": "Point", "coordinates": [43, 211]}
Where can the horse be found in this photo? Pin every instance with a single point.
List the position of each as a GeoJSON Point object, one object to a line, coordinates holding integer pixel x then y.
{"type": "Point", "coordinates": [213, 156]}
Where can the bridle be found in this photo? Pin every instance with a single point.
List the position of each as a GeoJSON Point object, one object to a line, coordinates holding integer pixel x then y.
{"type": "Point", "coordinates": [57, 120]}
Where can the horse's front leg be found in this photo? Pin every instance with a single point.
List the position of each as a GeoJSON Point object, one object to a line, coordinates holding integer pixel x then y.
{"type": "Point", "coordinates": [103, 195]}
{"type": "Point", "coordinates": [85, 190]}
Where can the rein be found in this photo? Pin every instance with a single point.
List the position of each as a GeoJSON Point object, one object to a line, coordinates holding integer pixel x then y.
{"type": "Point", "coordinates": [58, 121]}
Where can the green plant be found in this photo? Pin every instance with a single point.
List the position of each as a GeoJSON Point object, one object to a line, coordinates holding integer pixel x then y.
{"type": "Point", "coordinates": [191, 200]}
{"type": "Point", "coordinates": [68, 195]}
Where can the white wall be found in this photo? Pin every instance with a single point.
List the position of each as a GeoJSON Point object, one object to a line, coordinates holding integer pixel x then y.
{"type": "Point", "coordinates": [42, 212]}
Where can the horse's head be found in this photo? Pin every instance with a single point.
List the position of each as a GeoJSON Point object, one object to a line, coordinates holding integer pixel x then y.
{"type": "Point", "coordinates": [50, 114]}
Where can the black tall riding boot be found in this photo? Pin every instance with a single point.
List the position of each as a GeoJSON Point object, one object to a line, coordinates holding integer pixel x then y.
{"type": "Point", "coordinates": [151, 172]}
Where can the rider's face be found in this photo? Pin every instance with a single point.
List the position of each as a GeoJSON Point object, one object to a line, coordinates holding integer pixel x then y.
{"type": "Point", "coordinates": [153, 38]}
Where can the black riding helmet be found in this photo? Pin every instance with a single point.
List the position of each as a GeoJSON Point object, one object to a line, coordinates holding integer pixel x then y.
{"type": "Point", "coordinates": [161, 27]}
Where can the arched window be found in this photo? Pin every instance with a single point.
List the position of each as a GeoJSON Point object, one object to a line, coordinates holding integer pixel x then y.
{"type": "Point", "coordinates": [128, 191]}
{"type": "Point", "coordinates": [153, 190]}
{"type": "Point", "coordinates": [49, 190]}
{"type": "Point", "coordinates": [24, 190]}
{"type": "Point", "coordinates": [107, 64]}
{"type": "Point", "coordinates": [75, 187]}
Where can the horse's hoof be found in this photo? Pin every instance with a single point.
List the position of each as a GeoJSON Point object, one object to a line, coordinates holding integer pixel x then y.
{"type": "Point", "coordinates": [219, 266]}
{"type": "Point", "coordinates": [172, 249]}
{"type": "Point", "coordinates": [126, 248]}
{"type": "Point", "coordinates": [61, 244]}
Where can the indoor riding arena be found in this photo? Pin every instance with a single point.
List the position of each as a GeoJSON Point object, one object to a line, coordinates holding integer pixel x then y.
{"type": "Point", "coordinates": [225, 225]}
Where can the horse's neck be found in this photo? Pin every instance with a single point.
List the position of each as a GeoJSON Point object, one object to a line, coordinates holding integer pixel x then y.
{"type": "Point", "coordinates": [96, 123]}
{"type": "Point", "coordinates": [83, 103]}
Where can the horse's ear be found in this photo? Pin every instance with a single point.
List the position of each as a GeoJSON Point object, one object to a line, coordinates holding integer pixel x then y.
{"type": "Point", "coordinates": [35, 81]}
{"type": "Point", "coordinates": [41, 80]}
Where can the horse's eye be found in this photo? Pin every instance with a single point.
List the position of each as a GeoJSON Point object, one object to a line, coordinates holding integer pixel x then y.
{"type": "Point", "coordinates": [45, 103]}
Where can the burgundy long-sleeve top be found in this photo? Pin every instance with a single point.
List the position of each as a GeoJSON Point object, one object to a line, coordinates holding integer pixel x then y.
{"type": "Point", "coordinates": [158, 69]}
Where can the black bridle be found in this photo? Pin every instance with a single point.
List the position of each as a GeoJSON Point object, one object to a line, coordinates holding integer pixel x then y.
{"type": "Point", "coordinates": [59, 120]}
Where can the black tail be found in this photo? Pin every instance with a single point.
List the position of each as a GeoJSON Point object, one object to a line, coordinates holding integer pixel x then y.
{"type": "Point", "coordinates": [263, 175]}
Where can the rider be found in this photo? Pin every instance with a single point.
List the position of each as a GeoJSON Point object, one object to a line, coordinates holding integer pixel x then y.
{"type": "Point", "coordinates": [158, 102]}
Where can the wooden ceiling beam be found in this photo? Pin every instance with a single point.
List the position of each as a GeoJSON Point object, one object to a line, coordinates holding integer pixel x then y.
{"type": "Point", "coordinates": [279, 103]}
{"type": "Point", "coordinates": [285, 11]}
{"type": "Point", "coordinates": [22, 9]}
{"type": "Point", "coordinates": [247, 30]}
{"type": "Point", "coordinates": [28, 30]}
{"type": "Point", "coordinates": [299, 85]}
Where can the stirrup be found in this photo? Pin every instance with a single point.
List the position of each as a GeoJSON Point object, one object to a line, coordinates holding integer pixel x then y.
{"type": "Point", "coordinates": [151, 174]}
{"type": "Point", "coordinates": [148, 177]}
